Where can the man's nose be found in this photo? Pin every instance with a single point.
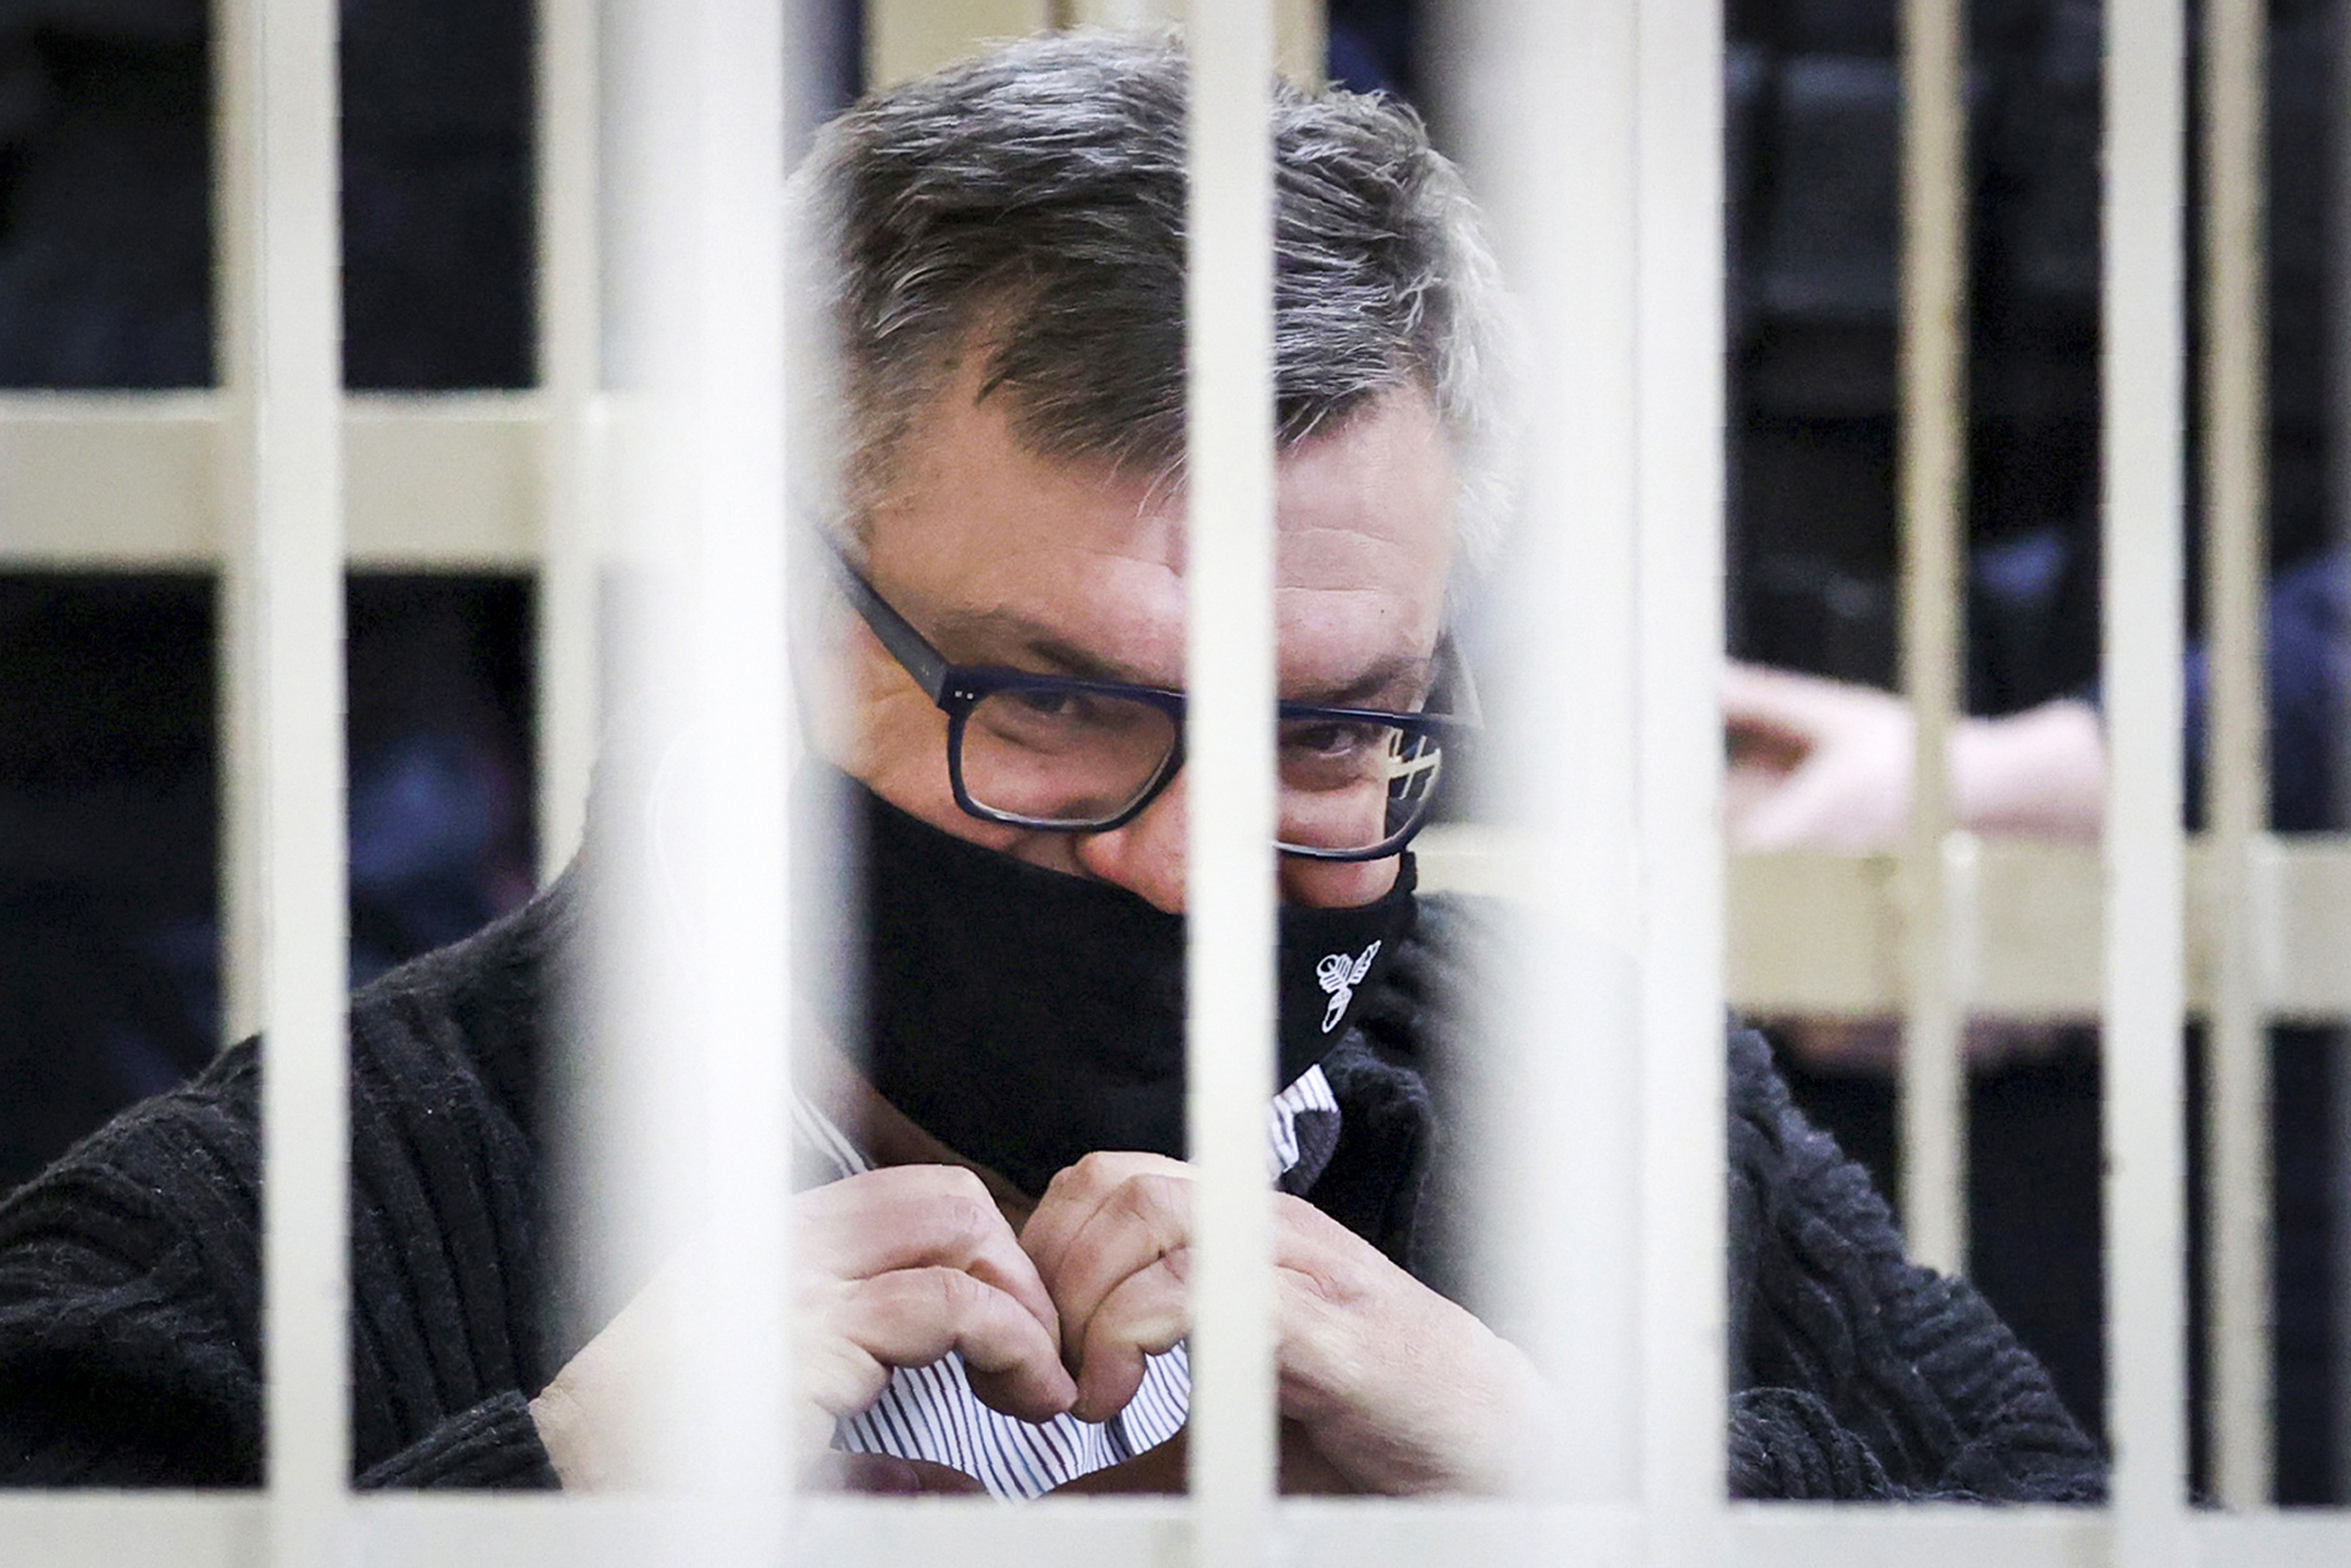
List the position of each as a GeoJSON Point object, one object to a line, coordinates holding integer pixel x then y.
{"type": "Point", "coordinates": [1147, 856]}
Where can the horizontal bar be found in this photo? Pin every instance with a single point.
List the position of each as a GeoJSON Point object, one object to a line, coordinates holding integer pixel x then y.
{"type": "Point", "coordinates": [184, 1530]}
{"type": "Point", "coordinates": [1816, 934]}
{"type": "Point", "coordinates": [1821, 933]}
{"type": "Point", "coordinates": [136, 1530]}
{"type": "Point", "coordinates": [116, 481]}
{"type": "Point", "coordinates": [1943, 1535]}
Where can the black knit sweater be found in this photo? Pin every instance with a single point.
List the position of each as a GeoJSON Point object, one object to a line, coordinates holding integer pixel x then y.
{"type": "Point", "coordinates": [130, 1272]}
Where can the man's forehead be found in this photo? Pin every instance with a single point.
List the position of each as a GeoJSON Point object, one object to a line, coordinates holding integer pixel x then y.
{"type": "Point", "coordinates": [1385, 472]}
{"type": "Point", "coordinates": [1002, 556]}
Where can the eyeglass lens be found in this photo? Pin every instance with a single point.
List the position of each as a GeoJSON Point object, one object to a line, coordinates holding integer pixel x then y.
{"type": "Point", "coordinates": [1075, 758]}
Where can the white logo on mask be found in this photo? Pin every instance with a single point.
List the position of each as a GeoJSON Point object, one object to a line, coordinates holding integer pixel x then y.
{"type": "Point", "coordinates": [1339, 975]}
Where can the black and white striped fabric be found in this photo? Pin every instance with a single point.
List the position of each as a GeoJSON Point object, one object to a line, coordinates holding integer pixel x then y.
{"type": "Point", "coordinates": [930, 1412]}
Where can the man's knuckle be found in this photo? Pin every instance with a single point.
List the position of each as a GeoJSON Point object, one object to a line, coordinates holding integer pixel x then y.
{"type": "Point", "coordinates": [962, 1181]}
{"type": "Point", "coordinates": [963, 1221]}
{"type": "Point", "coordinates": [1097, 1172]}
{"type": "Point", "coordinates": [960, 1296]}
{"type": "Point", "coordinates": [1158, 1199]}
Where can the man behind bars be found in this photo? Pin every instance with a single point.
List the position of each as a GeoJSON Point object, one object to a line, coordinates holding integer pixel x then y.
{"type": "Point", "coordinates": [993, 1256]}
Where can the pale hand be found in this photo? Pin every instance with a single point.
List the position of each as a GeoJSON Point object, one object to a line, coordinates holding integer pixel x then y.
{"type": "Point", "coordinates": [1393, 1388]}
{"type": "Point", "coordinates": [894, 1268]}
{"type": "Point", "coordinates": [1822, 764]}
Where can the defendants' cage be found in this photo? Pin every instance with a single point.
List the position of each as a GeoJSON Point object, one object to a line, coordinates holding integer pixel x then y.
{"type": "Point", "coordinates": [661, 120]}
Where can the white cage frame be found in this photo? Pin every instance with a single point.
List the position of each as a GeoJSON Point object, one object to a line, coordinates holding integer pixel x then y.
{"type": "Point", "coordinates": [264, 479]}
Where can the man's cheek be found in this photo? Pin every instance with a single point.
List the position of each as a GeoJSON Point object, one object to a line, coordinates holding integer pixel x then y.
{"type": "Point", "coordinates": [898, 747]}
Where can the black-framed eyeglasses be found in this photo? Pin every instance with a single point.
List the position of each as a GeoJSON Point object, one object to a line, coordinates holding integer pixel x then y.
{"type": "Point", "coordinates": [1067, 754]}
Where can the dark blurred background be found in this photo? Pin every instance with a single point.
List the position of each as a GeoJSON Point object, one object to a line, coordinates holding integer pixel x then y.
{"type": "Point", "coordinates": [108, 851]}
{"type": "Point", "coordinates": [1814, 138]}
{"type": "Point", "coordinates": [108, 937]}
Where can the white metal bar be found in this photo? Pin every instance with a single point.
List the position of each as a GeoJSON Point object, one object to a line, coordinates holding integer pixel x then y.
{"type": "Point", "coordinates": [2336, 305]}
{"type": "Point", "coordinates": [114, 1530]}
{"type": "Point", "coordinates": [1301, 40]}
{"type": "Point", "coordinates": [165, 491]}
{"type": "Point", "coordinates": [696, 148]}
{"type": "Point", "coordinates": [737, 94]}
{"type": "Point", "coordinates": [904, 38]}
{"type": "Point", "coordinates": [448, 481]}
{"type": "Point", "coordinates": [1933, 1087]}
{"type": "Point", "coordinates": [1085, 1532]}
{"type": "Point", "coordinates": [236, 231]}
{"type": "Point", "coordinates": [1677, 199]}
{"type": "Point", "coordinates": [1817, 935]}
{"type": "Point", "coordinates": [2336, 301]}
{"type": "Point", "coordinates": [1558, 1111]}
{"type": "Point", "coordinates": [1301, 32]}
{"type": "Point", "coordinates": [2142, 381]}
{"type": "Point", "coordinates": [135, 1529]}
{"type": "Point", "coordinates": [2236, 775]}
{"type": "Point", "coordinates": [568, 375]}
{"type": "Point", "coordinates": [1228, 306]}
{"type": "Point", "coordinates": [1931, 1535]}
{"type": "Point", "coordinates": [281, 317]}
{"type": "Point", "coordinates": [438, 482]}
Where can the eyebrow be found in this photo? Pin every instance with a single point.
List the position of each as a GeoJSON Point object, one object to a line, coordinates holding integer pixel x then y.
{"type": "Point", "coordinates": [1008, 629]}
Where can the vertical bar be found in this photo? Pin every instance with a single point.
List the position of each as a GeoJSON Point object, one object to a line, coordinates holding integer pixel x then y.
{"type": "Point", "coordinates": [1229, 671]}
{"type": "Point", "coordinates": [712, 128]}
{"type": "Point", "coordinates": [1933, 501]}
{"type": "Point", "coordinates": [568, 283]}
{"type": "Point", "coordinates": [692, 881]}
{"type": "Point", "coordinates": [1561, 1113]}
{"type": "Point", "coordinates": [2140, 373]}
{"type": "Point", "coordinates": [281, 315]}
{"type": "Point", "coordinates": [236, 230]}
{"type": "Point", "coordinates": [1678, 216]}
{"type": "Point", "coordinates": [739, 1372]}
{"type": "Point", "coordinates": [1301, 32]}
{"type": "Point", "coordinates": [2337, 300]}
{"type": "Point", "coordinates": [904, 38]}
{"type": "Point", "coordinates": [2236, 1264]}
{"type": "Point", "coordinates": [1301, 40]}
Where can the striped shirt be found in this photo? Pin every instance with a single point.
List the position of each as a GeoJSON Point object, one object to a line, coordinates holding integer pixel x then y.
{"type": "Point", "coordinates": [930, 1412]}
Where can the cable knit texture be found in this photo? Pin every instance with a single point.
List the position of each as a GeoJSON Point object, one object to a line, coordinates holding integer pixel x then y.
{"type": "Point", "coordinates": [130, 1295]}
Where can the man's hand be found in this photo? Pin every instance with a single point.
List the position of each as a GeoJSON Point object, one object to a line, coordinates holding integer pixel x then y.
{"type": "Point", "coordinates": [1397, 1388]}
{"type": "Point", "coordinates": [892, 1267]}
{"type": "Point", "coordinates": [899, 1266]}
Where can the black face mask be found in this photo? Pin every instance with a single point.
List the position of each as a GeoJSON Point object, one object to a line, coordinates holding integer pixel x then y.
{"type": "Point", "coordinates": [1026, 1018]}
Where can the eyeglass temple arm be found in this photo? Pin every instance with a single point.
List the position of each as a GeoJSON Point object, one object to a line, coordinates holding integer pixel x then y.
{"type": "Point", "coordinates": [909, 647]}
{"type": "Point", "coordinates": [1456, 692]}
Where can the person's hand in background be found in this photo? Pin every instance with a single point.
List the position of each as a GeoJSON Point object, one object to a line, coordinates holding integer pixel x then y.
{"type": "Point", "coordinates": [1822, 763]}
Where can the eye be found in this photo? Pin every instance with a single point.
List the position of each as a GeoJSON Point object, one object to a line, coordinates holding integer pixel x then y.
{"type": "Point", "coordinates": [1327, 738]}
{"type": "Point", "coordinates": [1045, 703]}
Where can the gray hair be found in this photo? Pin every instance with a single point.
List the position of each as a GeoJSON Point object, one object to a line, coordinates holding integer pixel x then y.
{"type": "Point", "coordinates": [1029, 205]}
